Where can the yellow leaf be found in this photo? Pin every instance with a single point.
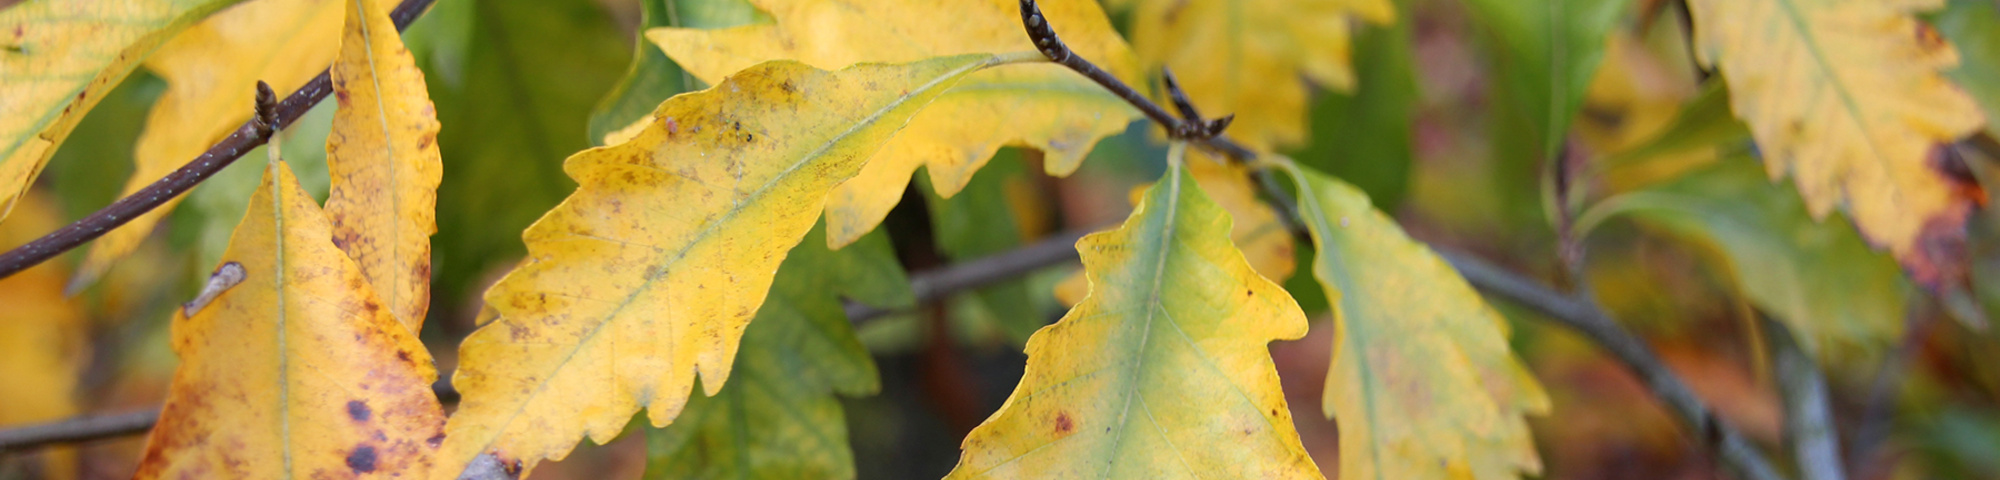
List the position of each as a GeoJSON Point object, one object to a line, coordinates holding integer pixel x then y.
{"type": "Point", "coordinates": [1847, 96]}
{"type": "Point", "coordinates": [1240, 56]}
{"type": "Point", "coordinates": [297, 370]}
{"type": "Point", "coordinates": [383, 157]}
{"type": "Point", "coordinates": [1043, 106]}
{"type": "Point", "coordinates": [211, 72]}
{"type": "Point", "coordinates": [648, 274]}
{"type": "Point", "coordinates": [1422, 380]}
{"type": "Point", "coordinates": [60, 58]}
{"type": "Point", "coordinates": [1263, 237]}
{"type": "Point", "coordinates": [43, 338]}
{"type": "Point", "coordinates": [1163, 371]}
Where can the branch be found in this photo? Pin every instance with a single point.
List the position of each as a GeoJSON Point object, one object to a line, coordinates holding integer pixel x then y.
{"type": "Point", "coordinates": [928, 286]}
{"type": "Point", "coordinates": [253, 133]}
{"type": "Point", "coordinates": [1581, 315]}
{"type": "Point", "coordinates": [1585, 317]}
{"type": "Point", "coordinates": [1808, 416]}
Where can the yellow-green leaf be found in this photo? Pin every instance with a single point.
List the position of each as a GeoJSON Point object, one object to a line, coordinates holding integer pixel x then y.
{"type": "Point", "coordinates": [290, 366]}
{"type": "Point", "coordinates": [648, 274]}
{"type": "Point", "coordinates": [1162, 371]}
{"type": "Point", "coordinates": [1042, 106]}
{"type": "Point", "coordinates": [212, 71]}
{"type": "Point", "coordinates": [383, 157]}
{"type": "Point", "coordinates": [1849, 98]}
{"type": "Point", "coordinates": [58, 58]}
{"type": "Point", "coordinates": [1422, 382]}
{"type": "Point", "coordinates": [1241, 56]}
{"type": "Point", "coordinates": [777, 418]}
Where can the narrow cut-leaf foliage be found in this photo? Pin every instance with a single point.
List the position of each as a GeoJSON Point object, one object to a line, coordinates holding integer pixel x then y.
{"type": "Point", "coordinates": [648, 274]}
{"type": "Point", "coordinates": [384, 161]}
{"type": "Point", "coordinates": [291, 367]}
{"type": "Point", "coordinates": [1163, 370]}
{"type": "Point", "coordinates": [1041, 106]}
{"type": "Point", "coordinates": [1422, 382]}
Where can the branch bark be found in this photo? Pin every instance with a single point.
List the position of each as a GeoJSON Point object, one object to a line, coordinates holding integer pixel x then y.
{"type": "Point", "coordinates": [253, 133]}
{"type": "Point", "coordinates": [1808, 413]}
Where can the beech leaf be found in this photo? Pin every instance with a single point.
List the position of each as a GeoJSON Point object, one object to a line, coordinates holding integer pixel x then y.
{"type": "Point", "coordinates": [383, 157]}
{"type": "Point", "coordinates": [648, 274]}
{"type": "Point", "coordinates": [297, 370]}
{"type": "Point", "coordinates": [1163, 370]}
{"type": "Point", "coordinates": [1849, 98]}
{"type": "Point", "coordinates": [211, 70]}
{"type": "Point", "coordinates": [1422, 382]}
{"type": "Point", "coordinates": [1042, 106]}
{"type": "Point", "coordinates": [60, 58]}
{"type": "Point", "coordinates": [777, 418]}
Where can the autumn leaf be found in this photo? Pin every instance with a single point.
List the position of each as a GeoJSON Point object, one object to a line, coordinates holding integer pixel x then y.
{"type": "Point", "coordinates": [383, 157]}
{"type": "Point", "coordinates": [1422, 382]}
{"type": "Point", "coordinates": [1239, 56]}
{"type": "Point", "coordinates": [1162, 371]}
{"type": "Point", "coordinates": [1042, 106]}
{"type": "Point", "coordinates": [1843, 301]}
{"type": "Point", "coordinates": [290, 366]}
{"type": "Point", "coordinates": [648, 274]}
{"type": "Point", "coordinates": [652, 77]}
{"type": "Point", "coordinates": [1974, 27]}
{"type": "Point", "coordinates": [211, 70]}
{"type": "Point", "coordinates": [777, 418]}
{"type": "Point", "coordinates": [1859, 128]}
{"type": "Point", "coordinates": [43, 339]}
{"type": "Point", "coordinates": [62, 57]}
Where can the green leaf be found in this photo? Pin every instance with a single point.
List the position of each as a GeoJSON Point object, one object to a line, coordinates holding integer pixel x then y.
{"type": "Point", "coordinates": [980, 221]}
{"type": "Point", "coordinates": [1544, 55]}
{"type": "Point", "coordinates": [1364, 136]}
{"type": "Point", "coordinates": [1844, 300]}
{"type": "Point", "coordinates": [1163, 371]}
{"type": "Point", "coordinates": [1974, 27]}
{"type": "Point", "coordinates": [777, 417]}
{"type": "Point", "coordinates": [1423, 382]}
{"type": "Point", "coordinates": [653, 77]}
{"type": "Point", "coordinates": [519, 112]}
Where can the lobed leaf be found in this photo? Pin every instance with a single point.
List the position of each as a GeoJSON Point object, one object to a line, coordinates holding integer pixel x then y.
{"type": "Point", "coordinates": [1422, 381]}
{"type": "Point", "coordinates": [1043, 106]}
{"type": "Point", "coordinates": [648, 274]}
{"type": "Point", "coordinates": [652, 78]}
{"type": "Point", "coordinates": [1850, 99]}
{"type": "Point", "coordinates": [1162, 371]}
{"type": "Point", "coordinates": [777, 418]}
{"type": "Point", "coordinates": [60, 58]}
{"type": "Point", "coordinates": [291, 367]}
{"type": "Point", "coordinates": [211, 69]}
{"type": "Point", "coordinates": [383, 158]}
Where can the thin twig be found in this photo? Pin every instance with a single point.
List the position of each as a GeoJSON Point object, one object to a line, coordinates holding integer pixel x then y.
{"type": "Point", "coordinates": [252, 133]}
{"type": "Point", "coordinates": [927, 287]}
{"type": "Point", "coordinates": [1587, 318]}
{"type": "Point", "coordinates": [1808, 413]}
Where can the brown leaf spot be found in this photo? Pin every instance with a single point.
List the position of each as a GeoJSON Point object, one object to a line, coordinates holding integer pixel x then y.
{"type": "Point", "coordinates": [1063, 424]}
{"type": "Point", "coordinates": [362, 460]}
{"type": "Point", "coordinates": [358, 410]}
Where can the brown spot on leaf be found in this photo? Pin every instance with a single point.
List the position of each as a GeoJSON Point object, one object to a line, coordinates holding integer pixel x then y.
{"type": "Point", "coordinates": [358, 410]}
{"type": "Point", "coordinates": [1063, 424]}
{"type": "Point", "coordinates": [362, 460]}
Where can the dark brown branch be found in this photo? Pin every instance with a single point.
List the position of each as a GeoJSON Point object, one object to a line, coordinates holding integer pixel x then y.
{"type": "Point", "coordinates": [1587, 318]}
{"type": "Point", "coordinates": [928, 286]}
{"type": "Point", "coordinates": [1045, 39]}
{"type": "Point", "coordinates": [253, 133]}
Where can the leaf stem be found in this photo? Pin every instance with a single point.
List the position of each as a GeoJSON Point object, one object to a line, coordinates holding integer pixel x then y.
{"type": "Point", "coordinates": [253, 133]}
